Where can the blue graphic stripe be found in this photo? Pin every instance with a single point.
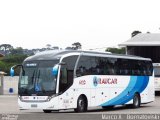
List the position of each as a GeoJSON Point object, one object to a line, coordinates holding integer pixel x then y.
{"type": "Point", "coordinates": [136, 84]}
{"type": "Point", "coordinates": [142, 82]}
{"type": "Point", "coordinates": [123, 94]}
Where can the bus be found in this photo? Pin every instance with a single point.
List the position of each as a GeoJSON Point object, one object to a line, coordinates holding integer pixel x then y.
{"type": "Point", "coordinates": [59, 80]}
{"type": "Point", "coordinates": [156, 67]}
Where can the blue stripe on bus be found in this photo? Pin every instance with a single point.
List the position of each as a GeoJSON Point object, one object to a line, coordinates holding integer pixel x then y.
{"type": "Point", "coordinates": [136, 84]}
{"type": "Point", "coordinates": [141, 84]}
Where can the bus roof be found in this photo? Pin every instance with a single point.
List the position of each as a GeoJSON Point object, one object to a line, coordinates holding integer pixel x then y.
{"type": "Point", "coordinates": [57, 54]}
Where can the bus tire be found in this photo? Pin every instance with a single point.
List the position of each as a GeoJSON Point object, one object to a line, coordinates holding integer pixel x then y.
{"type": "Point", "coordinates": [136, 101]}
{"type": "Point", "coordinates": [81, 104]}
{"type": "Point", "coordinates": [47, 111]}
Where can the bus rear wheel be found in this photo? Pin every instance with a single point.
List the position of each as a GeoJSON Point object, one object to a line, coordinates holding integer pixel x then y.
{"type": "Point", "coordinates": [136, 101]}
{"type": "Point", "coordinates": [81, 104]}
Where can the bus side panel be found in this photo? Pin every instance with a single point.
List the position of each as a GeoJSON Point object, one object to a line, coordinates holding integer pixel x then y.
{"type": "Point", "coordinates": [110, 89]}
{"type": "Point", "coordinates": [83, 86]}
{"type": "Point", "coordinates": [69, 98]}
{"type": "Point", "coordinates": [107, 90]}
{"type": "Point", "coordinates": [117, 91]}
{"type": "Point", "coordinates": [66, 100]}
{"type": "Point", "coordinates": [148, 95]}
{"type": "Point", "coordinates": [100, 88]}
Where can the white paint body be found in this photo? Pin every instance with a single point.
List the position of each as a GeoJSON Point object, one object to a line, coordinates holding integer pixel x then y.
{"type": "Point", "coordinates": [110, 87]}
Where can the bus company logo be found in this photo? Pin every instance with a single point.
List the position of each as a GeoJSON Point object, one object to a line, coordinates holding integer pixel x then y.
{"type": "Point", "coordinates": [106, 80]}
{"type": "Point", "coordinates": [95, 81]}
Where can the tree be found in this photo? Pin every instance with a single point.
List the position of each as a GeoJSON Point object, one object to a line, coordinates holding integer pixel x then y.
{"type": "Point", "coordinates": [48, 46]}
{"type": "Point", "coordinates": [9, 60]}
{"type": "Point", "coordinates": [55, 48]}
{"type": "Point", "coordinates": [69, 48]}
{"type": "Point", "coordinates": [136, 32]}
{"type": "Point", "coordinates": [116, 50]}
{"type": "Point", "coordinates": [76, 46]}
{"type": "Point", "coordinates": [5, 48]}
{"type": "Point", "coordinates": [17, 51]}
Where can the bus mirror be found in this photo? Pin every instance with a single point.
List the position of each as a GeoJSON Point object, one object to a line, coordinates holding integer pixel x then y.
{"type": "Point", "coordinates": [14, 67]}
{"type": "Point", "coordinates": [55, 70]}
{"type": "Point", "coordinates": [12, 72]}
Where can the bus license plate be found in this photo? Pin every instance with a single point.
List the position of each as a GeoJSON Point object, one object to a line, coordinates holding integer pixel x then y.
{"type": "Point", "coordinates": [34, 105]}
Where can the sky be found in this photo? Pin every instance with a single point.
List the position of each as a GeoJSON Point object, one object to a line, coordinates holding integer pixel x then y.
{"type": "Point", "coordinates": [96, 24]}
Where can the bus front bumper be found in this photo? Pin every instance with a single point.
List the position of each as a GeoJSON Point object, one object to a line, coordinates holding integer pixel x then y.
{"type": "Point", "coordinates": [50, 105]}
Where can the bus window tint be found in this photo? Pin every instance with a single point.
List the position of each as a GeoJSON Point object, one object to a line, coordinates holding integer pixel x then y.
{"type": "Point", "coordinates": [149, 68]}
{"type": "Point", "coordinates": [108, 65]}
{"type": "Point", "coordinates": [84, 66]}
{"type": "Point", "coordinates": [89, 65]}
{"type": "Point", "coordinates": [124, 67]}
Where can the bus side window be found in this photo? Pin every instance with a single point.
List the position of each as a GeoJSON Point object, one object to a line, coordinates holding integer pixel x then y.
{"type": "Point", "coordinates": [80, 71]}
{"type": "Point", "coordinates": [133, 67]}
{"type": "Point", "coordinates": [142, 68]}
{"type": "Point", "coordinates": [149, 68]}
{"type": "Point", "coordinates": [84, 66]}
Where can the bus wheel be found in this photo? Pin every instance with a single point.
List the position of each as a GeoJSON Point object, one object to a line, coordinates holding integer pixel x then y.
{"type": "Point", "coordinates": [81, 104]}
{"type": "Point", "coordinates": [136, 101]}
{"type": "Point", "coordinates": [47, 111]}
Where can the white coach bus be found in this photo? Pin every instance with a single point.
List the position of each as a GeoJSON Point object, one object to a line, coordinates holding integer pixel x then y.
{"type": "Point", "coordinates": [57, 80]}
{"type": "Point", "coordinates": [156, 67]}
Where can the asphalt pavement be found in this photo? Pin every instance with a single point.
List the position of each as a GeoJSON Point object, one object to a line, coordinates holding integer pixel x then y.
{"type": "Point", "coordinates": [9, 109]}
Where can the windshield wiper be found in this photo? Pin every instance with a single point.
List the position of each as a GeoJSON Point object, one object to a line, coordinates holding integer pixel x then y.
{"type": "Point", "coordinates": [38, 76]}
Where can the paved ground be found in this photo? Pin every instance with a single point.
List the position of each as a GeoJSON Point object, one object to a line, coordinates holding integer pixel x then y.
{"type": "Point", "coordinates": [8, 105]}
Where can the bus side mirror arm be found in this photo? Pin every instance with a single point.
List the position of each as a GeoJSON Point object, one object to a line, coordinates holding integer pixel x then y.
{"type": "Point", "coordinates": [14, 67]}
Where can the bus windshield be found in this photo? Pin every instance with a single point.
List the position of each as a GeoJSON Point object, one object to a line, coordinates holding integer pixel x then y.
{"type": "Point", "coordinates": [36, 78]}
{"type": "Point", "coordinates": [157, 71]}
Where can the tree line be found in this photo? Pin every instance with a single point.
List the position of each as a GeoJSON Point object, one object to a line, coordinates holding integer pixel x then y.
{"type": "Point", "coordinates": [17, 55]}
{"type": "Point", "coordinates": [7, 49]}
